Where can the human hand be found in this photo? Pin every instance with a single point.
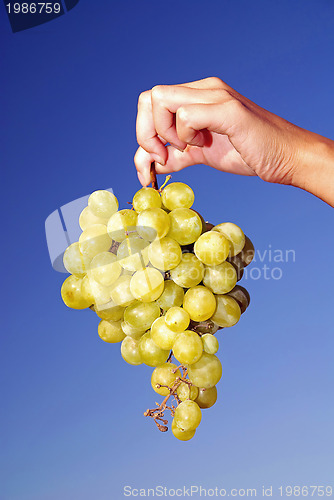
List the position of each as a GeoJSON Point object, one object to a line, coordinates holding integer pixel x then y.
{"type": "Point", "coordinates": [208, 122]}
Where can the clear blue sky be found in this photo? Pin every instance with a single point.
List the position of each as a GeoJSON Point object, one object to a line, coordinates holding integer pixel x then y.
{"type": "Point", "coordinates": [71, 422]}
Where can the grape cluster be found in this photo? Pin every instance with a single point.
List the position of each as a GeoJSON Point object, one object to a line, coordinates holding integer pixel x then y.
{"type": "Point", "coordinates": [163, 282]}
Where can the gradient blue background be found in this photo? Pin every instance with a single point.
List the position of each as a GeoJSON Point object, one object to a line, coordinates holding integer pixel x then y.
{"type": "Point", "coordinates": [71, 422]}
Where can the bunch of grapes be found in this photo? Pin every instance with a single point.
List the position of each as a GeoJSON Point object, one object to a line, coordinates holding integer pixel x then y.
{"type": "Point", "coordinates": [163, 282]}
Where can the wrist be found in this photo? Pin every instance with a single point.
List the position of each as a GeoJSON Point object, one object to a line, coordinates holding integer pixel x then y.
{"type": "Point", "coordinates": [313, 168]}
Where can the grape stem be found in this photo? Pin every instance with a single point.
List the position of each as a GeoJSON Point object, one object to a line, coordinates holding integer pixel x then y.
{"type": "Point", "coordinates": [153, 173]}
{"type": "Point", "coordinates": [158, 413]}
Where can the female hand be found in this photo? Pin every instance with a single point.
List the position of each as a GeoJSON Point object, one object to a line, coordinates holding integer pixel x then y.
{"type": "Point", "coordinates": [208, 122]}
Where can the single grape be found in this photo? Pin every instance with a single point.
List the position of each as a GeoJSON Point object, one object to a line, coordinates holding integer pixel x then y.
{"type": "Point", "coordinates": [208, 226]}
{"type": "Point", "coordinates": [234, 234]}
{"type": "Point", "coordinates": [103, 203]}
{"type": "Point", "coordinates": [248, 252]}
{"type": "Point", "coordinates": [189, 272]}
{"type": "Point", "coordinates": [171, 296]}
{"type": "Point", "coordinates": [177, 195]}
{"type": "Point", "coordinates": [185, 225]}
{"type": "Point", "coordinates": [241, 295]}
{"type": "Point", "coordinates": [147, 285]}
{"type": "Point", "coordinates": [177, 319]}
{"type": "Point", "coordinates": [120, 291]}
{"type": "Point", "coordinates": [210, 343]}
{"type": "Point", "coordinates": [220, 279]}
{"type": "Point", "coordinates": [111, 331]}
{"type": "Point", "coordinates": [186, 391]}
{"type": "Point", "coordinates": [110, 311]}
{"type": "Point", "coordinates": [146, 198]}
{"type": "Point", "coordinates": [206, 397]}
{"type": "Point", "coordinates": [72, 295]}
{"type": "Point", "coordinates": [202, 327]}
{"type": "Point", "coordinates": [188, 415]}
{"type": "Point", "coordinates": [165, 374]}
{"type": "Point", "coordinates": [153, 223]}
{"type": "Point", "coordinates": [87, 219]}
{"type": "Point", "coordinates": [181, 434]}
{"type": "Point", "coordinates": [132, 253]}
{"type": "Point", "coordinates": [94, 240]}
{"type": "Point", "coordinates": [212, 248]}
{"type": "Point", "coordinates": [206, 372]}
{"type": "Point", "coordinates": [130, 351]}
{"type": "Point", "coordinates": [188, 347]}
{"type": "Point", "coordinates": [227, 312]}
{"type": "Point", "coordinates": [131, 331]}
{"type": "Point", "coordinates": [151, 354]}
{"type": "Point", "coordinates": [122, 223]}
{"type": "Point", "coordinates": [199, 302]}
{"type": "Point", "coordinates": [163, 336]}
{"type": "Point", "coordinates": [165, 253]}
{"type": "Point", "coordinates": [74, 262]}
{"type": "Point", "coordinates": [104, 268]}
{"type": "Point", "coordinates": [141, 315]}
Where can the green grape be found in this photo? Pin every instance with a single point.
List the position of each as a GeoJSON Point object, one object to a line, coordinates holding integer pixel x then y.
{"type": "Point", "coordinates": [212, 248]}
{"type": "Point", "coordinates": [188, 347]}
{"type": "Point", "coordinates": [132, 253]}
{"type": "Point", "coordinates": [185, 225]}
{"type": "Point", "coordinates": [227, 312]}
{"type": "Point", "coordinates": [100, 293]}
{"type": "Point", "coordinates": [147, 285]}
{"type": "Point", "coordinates": [110, 311]}
{"type": "Point", "coordinates": [104, 268]}
{"type": "Point", "coordinates": [199, 302]}
{"type": "Point", "coordinates": [189, 272]}
{"type": "Point", "coordinates": [87, 219]}
{"type": "Point", "coordinates": [210, 343]}
{"type": "Point", "coordinates": [141, 315]}
{"type": "Point", "coordinates": [153, 223]}
{"type": "Point", "coordinates": [72, 295]}
{"type": "Point", "coordinates": [121, 223]}
{"type": "Point", "coordinates": [111, 331]}
{"type": "Point", "coordinates": [74, 262]}
{"type": "Point", "coordinates": [165, 253]}
{"type": "Point", "coordinates": [188, 415]}
{"type": "Point", "coordinates": [177, 195]}
{"type": "Point", "coordinates": [86, 290]}
{"type": "Point", "coordinates": [131, 331]}
{"type": "Point", "coordinates": [103, 203]}
{"type": "Point", "coordinates": [220, 279]}
{"type": "Point", "coordinates": [206, 372]}
{"type": "Point", "coordinates": [120, 291]}
{"type": "Point", "coordinates": [181, 434]}
{"type": "Point", "coordinates": [130, 351]}
{"type": "Point", "coordinates": [241, 295]}
{"type": "Point", "coordinates": [151, 354]}
{"type": "Point", "coordinates": [171, 296]}
{"type": "Point", "coordinates": [162, 335]}
{"type": "Point", "coordinates": [234, 234]}
{"type": "Point", "coordinates": [206, 326]}
{"type": "Point", "coordinates": [94, 240]}
{"type": "Point", "coordinates": [248, 252]}
{"type": "Point", "coordinates": [165, 374]}
{"type": "Point", "coordinates": [206, 397]}
{"type": "Point", "coordinates": [177, 319]}
{"type": "Point", "coordinates": [146, 198]}
{"type": "Point", "coordinates": [186, 391]}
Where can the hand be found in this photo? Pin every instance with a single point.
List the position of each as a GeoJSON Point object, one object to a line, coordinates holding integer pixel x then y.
{"type": "Point", "coordinates": [208, 122]}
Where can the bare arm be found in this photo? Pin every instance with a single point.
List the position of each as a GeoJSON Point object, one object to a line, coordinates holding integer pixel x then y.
{"type": "Point", "coordinates": [208, 122]}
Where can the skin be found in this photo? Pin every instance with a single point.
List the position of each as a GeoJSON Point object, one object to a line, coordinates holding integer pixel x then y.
{"type": "Point", "coordinates": [207, 122]}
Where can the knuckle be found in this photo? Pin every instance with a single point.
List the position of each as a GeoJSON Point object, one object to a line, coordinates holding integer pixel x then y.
{"type": "Point", "coordinates": [182, 115]}
{"type": "Point", "coordinates": [216, 82]}
{"type": "Point", "coordinates": [158, 92]}
{"type": "Point", "coordinates": [144, 97]}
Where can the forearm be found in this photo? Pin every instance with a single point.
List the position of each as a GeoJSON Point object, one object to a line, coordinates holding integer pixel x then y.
{"type": "Point", "coordinates": [314, 169]}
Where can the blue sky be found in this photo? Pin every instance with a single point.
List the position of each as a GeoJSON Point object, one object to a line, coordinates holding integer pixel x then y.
{"type": "Point", "coordinates": [71, 417]}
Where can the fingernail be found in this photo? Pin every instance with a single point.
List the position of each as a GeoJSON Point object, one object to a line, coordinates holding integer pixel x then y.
{"type": "Point", "coordinates": [178, 147]}
{"type": "Point", "coordinates": [158, 159]}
